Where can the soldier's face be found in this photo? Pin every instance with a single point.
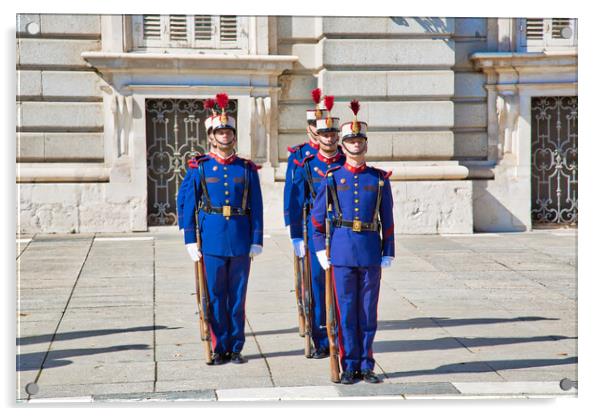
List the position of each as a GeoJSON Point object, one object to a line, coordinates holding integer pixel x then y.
{"type": "Point", "coordinates": [224, 139]}
{"type": "Point", "coordinates": [328, 141]}
{"type": "Point", "coordinates": [355, 147]}
{"type": "Point", "coordinates": [312, 133]}
{"type": "Point", "coordinates": [211, 138]}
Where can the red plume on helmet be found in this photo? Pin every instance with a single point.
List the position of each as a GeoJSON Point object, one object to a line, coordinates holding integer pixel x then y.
{"type": "Point", "coordinates": [329, 103]}
{"type": "Point", "coordinates": [209, 104]}
{"type": "Point", "coordinates": [222, 102]}
{"type": "Point", "coordinates": [355, 107]}
{"type": "Point", "coordinates": [316, 94]}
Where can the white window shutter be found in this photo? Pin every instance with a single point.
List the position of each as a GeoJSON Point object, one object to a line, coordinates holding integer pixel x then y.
{"type": "Point", "coordinates": [203, 28]}
{"type": "Point", "coordinates": [151, 27]}
{"type": "Point", "coordinates": [189, 31]}
{"type": "Point", "coordinates": [557, 28]}
{"type": "Point", "coordinates": [534, 29]}
{"type": "Point", "coordinates": [228, 29]}
{"type": "Point", "coordinates": [537, 35]}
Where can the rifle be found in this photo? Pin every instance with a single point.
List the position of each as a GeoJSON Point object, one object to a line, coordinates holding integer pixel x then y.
{"type": "Point", "coordinates": [306, 286]}
{"type": "Point", "coordinates": [331, 319]}
{"type": "Point", "coordinates": [202, 296]}
{"type": "Point", "coordinates": [298, 275]}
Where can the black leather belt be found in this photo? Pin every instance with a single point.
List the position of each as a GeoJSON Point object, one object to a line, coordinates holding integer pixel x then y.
{"type": "Point", "coordinates": [357, 225]}
{"type": "Point", "coordinates": [226, 210]}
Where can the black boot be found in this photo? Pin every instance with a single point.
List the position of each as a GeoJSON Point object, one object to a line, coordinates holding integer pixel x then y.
{"type": "Point", "coordinates": [370, 377]}
{"type": "Point", "coordinates": [321, 353]}
{"type": "Point", "coordinates": [347, 377]}
{"type": "Point", "coordinates": [237, 358]}
{"type": "Point", "coordinates": [218, 358]}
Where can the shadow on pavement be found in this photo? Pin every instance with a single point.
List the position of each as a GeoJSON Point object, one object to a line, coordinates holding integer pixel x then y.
{"type": "Point", "coordinates": [428, 322]}
{"type": "Point", "coordinates": [57, 358]}
{"type": "Point", "coordinates": [449, 343]}
{"type": "Point", "coordinates": [65, 336]}
{"type": "Point", "coordinates": [484, 367]}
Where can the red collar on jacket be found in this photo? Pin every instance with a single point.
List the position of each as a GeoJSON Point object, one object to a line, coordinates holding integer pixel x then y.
{"type": "Point", "coordinates": [314, 145]}
{"type": "Point", "coordinates": [353, 169]}
{"type": "Point", "coordinates": [223, 161]}
{"type": "Point", "coordinates": [329, 160]}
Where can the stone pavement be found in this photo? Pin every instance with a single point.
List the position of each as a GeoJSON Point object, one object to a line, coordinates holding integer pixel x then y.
{"type": "Point", "coordinates": [113, 317]}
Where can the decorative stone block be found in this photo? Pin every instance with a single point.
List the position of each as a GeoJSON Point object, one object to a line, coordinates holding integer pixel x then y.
{"type": "Point", "coordinates": [30, 147]}
{"type": "Point", "coordinates": [472, 145]}
{"type": "Point", "coordinates": [62, 115]}
{"type": "Point", "coordinates": [388, 52]}
{"type": "Point", "coordinates": [425, 145]}
{"type": "Point", "coordinates": [55, 52]}
{"type": "Point", "coordinates": [29, 84]}
{"type": "Point", "coordinates": [74, 147]}
{"type": "Point", "coordinates": [388, 25]}
{"type": "Point", "coordinates": [470, 85]}
{"type": "Point", "coordinates": [71, 84]}
{"type": "Point", "coordinates": [70, 24]}
{"type": "Point", "coordinates": [473, 115]}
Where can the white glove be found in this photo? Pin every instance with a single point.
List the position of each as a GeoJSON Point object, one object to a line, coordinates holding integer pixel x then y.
{"type": "Point", "coordinates": [386, 262]}
{"type": "Point", "coordinates": [299, 247]}
{"type": "Point", "coordinates": [255, 250]}
{"type": "Point", "coordinates": [193, 252]}
{"type": "Point", "coordinates": [324, 262]}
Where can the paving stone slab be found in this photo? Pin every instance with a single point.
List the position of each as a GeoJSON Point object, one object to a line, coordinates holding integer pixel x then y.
{"type": "Point", "coordinates": [94, 390]}
{"type": "Point", "coordinates": [190, 395]}
{"type": "Point", "coordinates": [361, 389]}
{"type": "Point", "coordinates": [512, 387]}
{"type": "Point", "coordinates": [91, 373]}
{"type": "Point", "coordinates": [278, 393]}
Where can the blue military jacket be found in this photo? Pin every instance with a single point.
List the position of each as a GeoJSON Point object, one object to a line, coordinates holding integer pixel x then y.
{"type": "Point", "coordinates": [314, 168]}
{"type": "Point", "coordinates": [356, 190]}
{"type": "Point", "coordinates": [225, 181]}
{"type": "Point", "coordinates": [192, 165]}
{"type": "Point", "coordinates": [296, 153]}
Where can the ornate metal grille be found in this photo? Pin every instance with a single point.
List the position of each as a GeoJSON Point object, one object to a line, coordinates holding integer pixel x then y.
{"type": "Point", "coordinates": [554, 160]}
{"type": "Point", "coordinates": [175, 130]}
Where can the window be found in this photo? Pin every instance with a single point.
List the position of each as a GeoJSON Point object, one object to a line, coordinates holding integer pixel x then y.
{"type": "Point", "coordinates": [538, 35]}
{"type": "Point", "coordinates": [179, 31]}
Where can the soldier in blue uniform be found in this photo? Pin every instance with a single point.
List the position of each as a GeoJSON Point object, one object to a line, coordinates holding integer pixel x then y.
{"type": "Point", "coordinates": [305, 185]}
{"type": "Point", "coordinates": [208, 104]}
{"type": "Point", "coordinates": [361, 209]}
{"type": "Point", "coordinates": [226, 190]}
{"type": "Point", "coordinates": [302, 150]}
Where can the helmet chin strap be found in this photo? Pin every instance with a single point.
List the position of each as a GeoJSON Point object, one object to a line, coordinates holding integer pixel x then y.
{"type": "Point", "coordinates": [224, 143]}
{"type": "Point", "coordinates": [315, 137]}
{"type": "Point", "coordinates": [362, 150]}
{"type": "Point", "coordinates": [320, 141]}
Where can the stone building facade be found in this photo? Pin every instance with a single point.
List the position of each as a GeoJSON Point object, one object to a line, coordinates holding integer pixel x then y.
{"type": "Point", "coordinates": [108, 110]}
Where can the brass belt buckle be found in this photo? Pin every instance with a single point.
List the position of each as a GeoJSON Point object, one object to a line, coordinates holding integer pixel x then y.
{"type": "Point", "coordinates": [227, 210]}
{"type": "Point", "coordinates": [357, 226]}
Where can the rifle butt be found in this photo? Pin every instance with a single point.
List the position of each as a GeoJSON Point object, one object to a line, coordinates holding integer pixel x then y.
{"type": "Point", "coordinates": [298, 294]}
{"type": "Point", "coordinates": [335, 372]}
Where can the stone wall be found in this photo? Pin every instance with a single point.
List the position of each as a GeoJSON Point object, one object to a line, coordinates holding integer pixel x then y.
{"type": "Point", "coordinates": [59, 101]}
{"type": "Point", "coordinates": [424, 103]}
{"type": "Point", "coordinates": [403, 72]}
{"type": "Point", "coordinates": [60, 128]}
{"type": "Point", "coordinates": [470, 96]}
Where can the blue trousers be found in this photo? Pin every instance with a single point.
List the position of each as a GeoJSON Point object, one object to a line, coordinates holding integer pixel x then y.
{"type": "Point", "coordinates": [356, 292]}
{"type": "Point", "coordinates": [318, 334]}
{"type": "Point", "coordinates": [227, 279]}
